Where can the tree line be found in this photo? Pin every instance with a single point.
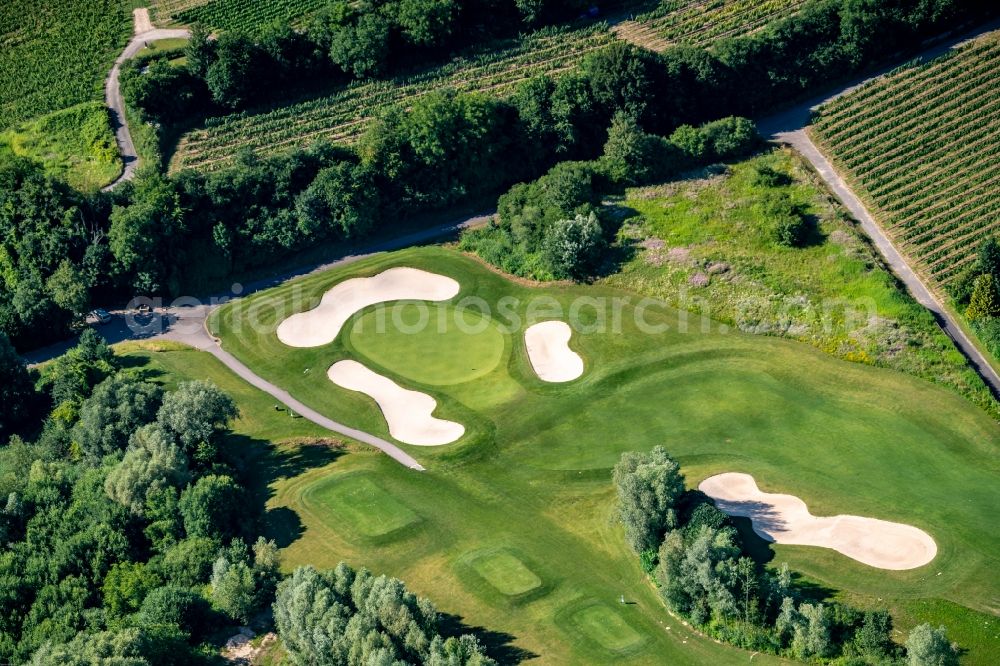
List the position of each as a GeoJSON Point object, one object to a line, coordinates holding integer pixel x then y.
{"type": "Point", "coordinates": [704, 572]}
{"type": "Point", "coordinates": [62, 251]}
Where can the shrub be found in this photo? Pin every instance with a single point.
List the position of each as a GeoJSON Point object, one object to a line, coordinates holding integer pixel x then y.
{"type": "Point", "coordinates": [985, 300]}
{"type": "Point", "coordinates": [573, 248]}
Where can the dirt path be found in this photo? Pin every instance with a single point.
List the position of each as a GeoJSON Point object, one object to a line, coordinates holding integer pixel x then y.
{"type": "Point", "coordinates": [140, 17]}
{"type": "Point", "coordinates": [144, 32]}
{"type": "Point", "coordinates": [788, 127]}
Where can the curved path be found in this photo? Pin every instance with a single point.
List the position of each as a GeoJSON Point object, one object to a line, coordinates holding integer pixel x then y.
{"type": "Point", "coordinates": [113, 94]}
{"type": "Point", "coordinates": [789, 127]}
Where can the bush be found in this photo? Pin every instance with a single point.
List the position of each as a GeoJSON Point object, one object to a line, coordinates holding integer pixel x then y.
{"type": "Point", "coordinates": [985, 300]}
{"type": "Point", "coordinates": [573, 248]}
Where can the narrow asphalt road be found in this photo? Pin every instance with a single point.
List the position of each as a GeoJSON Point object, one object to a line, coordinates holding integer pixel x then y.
{"type": "Point", "coordinates": [113, 98]}
{"type": "Point", "coordinates": [788, 127]}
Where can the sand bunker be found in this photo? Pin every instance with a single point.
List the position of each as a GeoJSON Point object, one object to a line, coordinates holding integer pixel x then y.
{"type": "Point", "coordinates": [548, 350]}
{"type": "Point", "coordinates": [407, 412]}
{"type": "Point", "coordinates": [321, 325]}
{"type": "Point", "coordinates": [786, 519]}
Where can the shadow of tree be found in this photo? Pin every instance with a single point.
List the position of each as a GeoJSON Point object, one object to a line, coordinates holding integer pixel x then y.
{"type": "Point", "coordinates": [498, 644]}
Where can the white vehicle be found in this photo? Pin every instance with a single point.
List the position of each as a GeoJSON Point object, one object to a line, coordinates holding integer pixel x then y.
{"type": "Point", "coordinates": [100, 316]}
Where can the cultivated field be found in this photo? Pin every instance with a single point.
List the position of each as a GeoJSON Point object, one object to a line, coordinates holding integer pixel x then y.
{"type": "Point", "coordinates": [56, 53]}
{"type": "Point", "coordinates": [344, 115]}
{"type": "Point", "coordinates": [921, 147]}
{"type": "Point", "coordinates": [243, 15]}
{"type": "Point", "coordinates": [701, 22]}
{"type": "Point", "coordinates": [515, 514]}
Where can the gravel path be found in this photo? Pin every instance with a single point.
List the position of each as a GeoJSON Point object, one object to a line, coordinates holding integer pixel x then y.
{"type": "Point", "coordinates": [113, 95]}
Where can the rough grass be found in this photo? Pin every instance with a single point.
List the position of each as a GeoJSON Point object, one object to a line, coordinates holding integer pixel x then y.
{"type": "Point", "coordinates": [533, 474]}
{"type": "Point", "coordinates": [75, 144]}
{"type": "Point", "coordinates": [428, 343]}
{"type": "Point", "coordinates": [706, 244]}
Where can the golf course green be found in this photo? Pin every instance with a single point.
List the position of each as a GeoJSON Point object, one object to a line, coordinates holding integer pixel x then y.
{"type": "Point", "coordinates": [510, 527]}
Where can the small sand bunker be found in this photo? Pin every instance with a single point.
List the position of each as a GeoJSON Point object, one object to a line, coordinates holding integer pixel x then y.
{"type": "Point", "coordinates": [548, 350]}
{"type": "Point", "coordinates": [321, 325]}
{"type": "Point", "coordinates": [786, 519]}
{"type": "Point", "coordinates": [408, 413]}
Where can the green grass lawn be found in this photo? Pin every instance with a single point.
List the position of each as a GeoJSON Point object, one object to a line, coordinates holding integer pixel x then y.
{"type": "Point", "coordinates": [531, 477]}
{"type": "Point", "coordinates": [361, 505]}
{"type": "Point", "coordinates": [506, 573]}
{"type": "Point", "coordinates": [75, 144]}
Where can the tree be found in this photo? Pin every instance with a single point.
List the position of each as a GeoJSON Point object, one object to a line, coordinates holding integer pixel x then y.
{"type": "Point", "coordinates": [144, 236]}
{"type": "Point", "coordinates": [630, 155]}
{"type": "Point", "coordinates": [233, 589]}
{"type": "Point", "coordinates": [17, 394]}
{"type": "Point", "coordinates": [188, 563]}
{"type": "Point", "coordinates": [927, 646]}
{"type": "Point", "coordinates": [231, 78]}
{"type": "Point", "coordinates": [117, 648]}
{"type": "Point", "coordinates": [200, 51]}
{"type": "Point", "coordinates": [211, 507]}
{"type": "Point", "coordinates": [69, 289]}
{"type": "Point", "coordinates": [574, 247]}
{"type": "Point", "coordinates": [649, 486]}
{"type": "Point", "coordinates": [985, 300]}
{"type": "Point", "coordinates": [195, 412]}
{"type": "Point", "coordinates": [117, 408]}
{"type": "Point", "coordinates": [989, 257]}
{"type": "Point", "coordinates": [426, 22]}
{"type": "Point", "coordinates": [342, 199]}
{"type": "Point", "coordinates": [152, 461]}
{"type": "Point", "coordinates": [361, 48]}
{"type": "Point", "coordinates": [125, 587]}
{"type": "Point", "coordinates": [179, 607]}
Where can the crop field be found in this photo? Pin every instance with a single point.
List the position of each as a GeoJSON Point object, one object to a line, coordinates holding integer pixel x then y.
{"type": "Point", "coordinates": [56, 53]}
{"type": "Point", "coordinates": [244, 15]}
{"type": "Point", "coordinates": [518, 511]}
{"type": "Point", "coordinates": [921, 147]}
{"type": "Point", "coordinates": [701, 22]}
{"type": "Point", "coordinates": [344, 115]}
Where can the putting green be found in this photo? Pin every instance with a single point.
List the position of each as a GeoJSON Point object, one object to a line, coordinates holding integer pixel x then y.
{"type": "Point", "coordinates": [506, 573]}
{"type": "Point", "coordinates": [606, 627]}
{"type": "Point", "coordinates": [366, 509]}
{"type": "Point", "coordinates": [429, 343]}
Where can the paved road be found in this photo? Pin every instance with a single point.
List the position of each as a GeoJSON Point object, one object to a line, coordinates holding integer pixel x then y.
{"type": "Point", "coordinates": [113, 98]}
{"type": "Point", "coordinates": [788, 127]}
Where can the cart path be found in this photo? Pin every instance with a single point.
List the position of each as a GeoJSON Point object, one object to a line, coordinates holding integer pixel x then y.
{"type": "Point", "coordinates": [113, 94]}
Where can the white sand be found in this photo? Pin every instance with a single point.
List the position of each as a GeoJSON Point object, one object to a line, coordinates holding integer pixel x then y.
{"type": "Point", "coordinates": [548, 350]}
{"type": "Point", "coordinates": [408, 413]}
{"type": "Point", "coordinates": [786, 519]}
{"type": "Point", "coordinates": [321, 325]}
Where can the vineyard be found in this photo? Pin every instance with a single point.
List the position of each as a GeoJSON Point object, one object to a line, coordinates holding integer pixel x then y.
{"type": "Point", "coordinates": [56, 53]}
{"type": "Point", "coordinates": [344, 115]}
{"type": "Point", "coordinates": [701, 22]}
{"type": "Point", "coordinates": [243, 15]}
{"type": "Point", "coordinates": [922, 148]}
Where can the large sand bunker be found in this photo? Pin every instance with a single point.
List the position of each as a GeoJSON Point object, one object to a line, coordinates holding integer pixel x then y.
{"type": "Point", "coordinates": [786, 519]}
{"type": "Point", "coordinates": [408, 413]}
{"type": "Point", "coordinates": [321, 325]}
{"type": "Point", "coordinates": [548, 350]}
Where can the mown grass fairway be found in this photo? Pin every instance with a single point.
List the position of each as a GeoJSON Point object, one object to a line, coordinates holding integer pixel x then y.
{"type": "Point", "coordinates": [532, 474]}
{"type": "Point", "coordinates": [431, 344]}
{"type": "Point", "coordinates": [362, 506]}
